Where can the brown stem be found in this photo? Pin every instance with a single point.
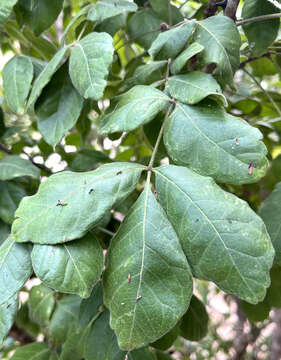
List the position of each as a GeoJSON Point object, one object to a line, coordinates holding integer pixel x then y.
{"type": "Point", "coordinates": [20, 335]}
{"type": "Point", "coordinates": [231, 9]}
{"type": "Point", "coordinates": [210, 9]}
{"type": "Point", "coordinates": [258, 18]}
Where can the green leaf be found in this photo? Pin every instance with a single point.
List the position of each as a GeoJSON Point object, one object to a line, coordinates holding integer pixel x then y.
{"type": "Point", "coordinates": [147, 281]}
{"type": "Point", "coordinates": [89, 62]}
{"type": "Point", "coordinates": [145, 74]}
{"type": "Point", "coordinates": [162, 356]}
{"type": "Point", "coordinates": [221, 40]}
{"type": "Point", "coordinates": [214, 143]}
{"type": "Point", "coordinates": [135, 108]}
{"type": "Point", "coordinates": [222, 237]}
{"type": "Point", "coordinates": [70, 203]}
{"type": "Point", "coordinates": [34, 351]}
{"type": "Point", "coordinates": [6, 8]}
{"type": "Point", "coordinates": [166, 11]}
{"type": "Point", "coordinates": [10, 196]}
{"type": "Point", "coordinates": [180, 61]}
{"type": "Point", "coordinates": [170, 43]}
{"type": "Point", "coordinates": [15, 268]}
{"type": "Point", "coordinates": [274, 290]}
{"type": "Point", "coordinates": [39, 14]}
{"type": "Point", "coordinates": [17, 78]}
{"type": "Point", "coordinates": [4, 231]}
{"type": "Point", "coordinates": [258, 312]}
{"type": "Point", "coordinates": [8, 311]}
{"type": "Point", "coordinates": [144, 26]}
{"type": "Point", "coordinates": [41, 303]}
{"type": "Point", "coordinates": [101, 343]}
{"type": "Point", "coordinates": [104, 9]}
{"type": "Point", "coordinates": [87, 159]}
{"type": "Point", "coordinates": [13, 166]}
{"type": "Point", "coordinates": [65, 318]}
{"type": "Point", "coordinates": [268, 28]}
{"type": "Point", "coordinates": [90, 307]}
{"type": "Point", "coordinates": [270, 213]}
{"type": "Point", "coordinates": [167, 340]}
{"type": "Point", "coordinates": [58, 108]}
{"type": "Point", "coordinates": [73, 267]}
{"type": "Point", "coordinates": [194, 87]}
{"type": "Point", "coordinates": [194, 324]}
{"type": "Point", "coordinates": [45, 76]}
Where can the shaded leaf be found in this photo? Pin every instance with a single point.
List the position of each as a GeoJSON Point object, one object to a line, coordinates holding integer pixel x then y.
{"type": "Point", "coordinates": [222, 237]}
{"type": "Point", "coordinates": [194, 87]}
{"type": "Point", "coordinates": [8, 312]}
{"type": "Point", "coordinates": [270, 213]}
{"type": "Point", "coordinates": [89, 63]}
{"type": "Point", "coordinates": [73, 267]}
{"type": "Point", "coordinates": [187, 54]}
{"type": "Point", "coordinates": [101, 342]}
{"type": "Point", "coordinates": [89, 307]}
{"type": "Point", "coordinates": [144, 26]}
{"type": "Point", "coordinates": [169, 44]}
{"type": "Point", "coordinates": [34, 351]}
{"type": "Point", "coordinates": [17, 76]}
{"type": "Point", "coordinates": [10, 195]}
{"type": "Point", "coordinates": [147, 281]}
{"type": "Point", "coordinates": [136, 107]}
{"type": "Point", "coordinates": [6, 8]}
{"type": "Point", "coordinates": [214, 143]}
{"type": "Point", "coordinates": [104, 9]}
{"type": "Point", "coordinates": [87, 159]}
{"type": "Point", "coordinates": [39, 14]}
{"type": "Point", "coordinates": [221, 40]}
{"type": "Point", "coordinates": [45, 76]}
{"type": "Point", "coordinates": [41, 303]}
{"type": "Point", "coordinates": [194, 324]}
{"type": "Point", "coordinates": [268, 28]}
{"type": "Point", "coordinates": [70, 203]}
{"type": "Point", "coordinates": [13, 166]}
{"type": "Point", "coordinates": [65, 318]}
{"type": "Point", "coordinates": [58, 107]}
{"type": "Point", "coordinates": [15, 268]}
{"type": "Point", "coordinates": [167, 340]}
{"type": "Point", "coordinates": [258, 312]}
{"type": "Point", "coordinates": [166, 11]}
{"type": "Point", "coordinates": [4, 231]}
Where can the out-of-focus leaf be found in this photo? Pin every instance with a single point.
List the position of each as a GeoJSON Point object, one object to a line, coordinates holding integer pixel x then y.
{"type": "Point", "coordinates": [41, 303]}
{"type": "Point", "coordinates": [13, 166]}
{"type": "Point", "coordinates": [104, 9]}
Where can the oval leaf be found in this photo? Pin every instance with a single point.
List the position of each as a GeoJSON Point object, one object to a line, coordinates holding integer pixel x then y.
{"type": "Point", "coordinates": [268, 28]}
{"type": "Point", "coordinates": [187, 54]}
{"type": "Point", "coordinates": [15, 268]}
{"type": "Point", "coordinates": [214, 143]}
{"type": "Point", "coordinates": [169, 44]}
{"type": "Point", "coordinates": [72, 267]}
{"type": "Point", "coordinates": [223, 238]}
{"type": "Point", "coordinates": [89, 63]}
{"type": "Point", "coordinates": [70, 203]}
{"type": "Point", "coordinates": [105, 9]}
{"type": "Point", "coordinates": [45, 76]}
{"type": "Point", "coordinates": [17, 77]}
{"type": "Point", "coordinates": [41, 303]}
{"type": "Point", "coordinates": [13, 166]}
{"type": "Point", "coordinates": [58, 108]}
{"type": "Point", "coordinates": [34, 351]}
{"type": "Point", "coordinates": [147, 282]}
{"type": "Point", "coordinates": [194, 87]}
{"type": "Point", "coordinates": [194, 324]}
{"type": "Point", "coordinates": [39, 14]}
{"type": "Point", "coordinates": [270, 213]}
{"type": "Point", "coordinates": [8, 311]}
{"type": "Point", "coordinates": [135, 108]}
{"type": "Point", "coordinates": [221, 40]}
{"type": "Point", "coordinates": [10, 196]}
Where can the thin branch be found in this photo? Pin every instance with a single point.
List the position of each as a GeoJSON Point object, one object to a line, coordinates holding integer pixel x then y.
{"type": "Point", "coordinates": [108, 232]}
{"type": "Point", "coordinates": [231, 9]}
{"type": "Point", "coordinates": [258, 18]}
{"type": "Point", "coordinates": [39, 166]}
{"type": "Point", "coordinates": [151, 162]}
{"type": "Point", "coordinates": [137, 37]}
{"type": "Point", "coordinates": [5, 149]}
{"type": "Point", "coordinates": [264, 91]}
{"type": "Point", "coordinates": [250, 59]}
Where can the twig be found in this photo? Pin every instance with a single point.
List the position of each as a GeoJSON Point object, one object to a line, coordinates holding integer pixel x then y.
{"type": "Point", "coordinates": [264, 91]}
{"type": "Point", "coordinates": [39, 166]}
{"type": "Point", "coordinates": [108, 232]}
{"type": "Point", "coordinates": [4, 149]}
{"type": "Point", "coordinates": [258, 18]}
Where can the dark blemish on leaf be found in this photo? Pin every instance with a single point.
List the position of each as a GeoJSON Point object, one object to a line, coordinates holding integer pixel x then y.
{"type": "Point", "coordinates": [230, 221]}
{"type": "Point", "coordinates": [236, 141]}
{"type": "Point", "coordinates": [138, 298]}
{"type": "Point", "coordinates": [129, 278]}
{"type": "Point", "coordinates": [251, 167]}
{"type": "Point", "coordinates": [164, 26]}
{"type": "Point", "coordinates": [196, 220]}
{"type": "Point", "coordinates": [119, 173]}
{"type": "Point", "coordinates": [59, 203]}
{"type": "Point", "coordinates": [7, 307]}
{"type": "Point", "coordinates": [90, 191]}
